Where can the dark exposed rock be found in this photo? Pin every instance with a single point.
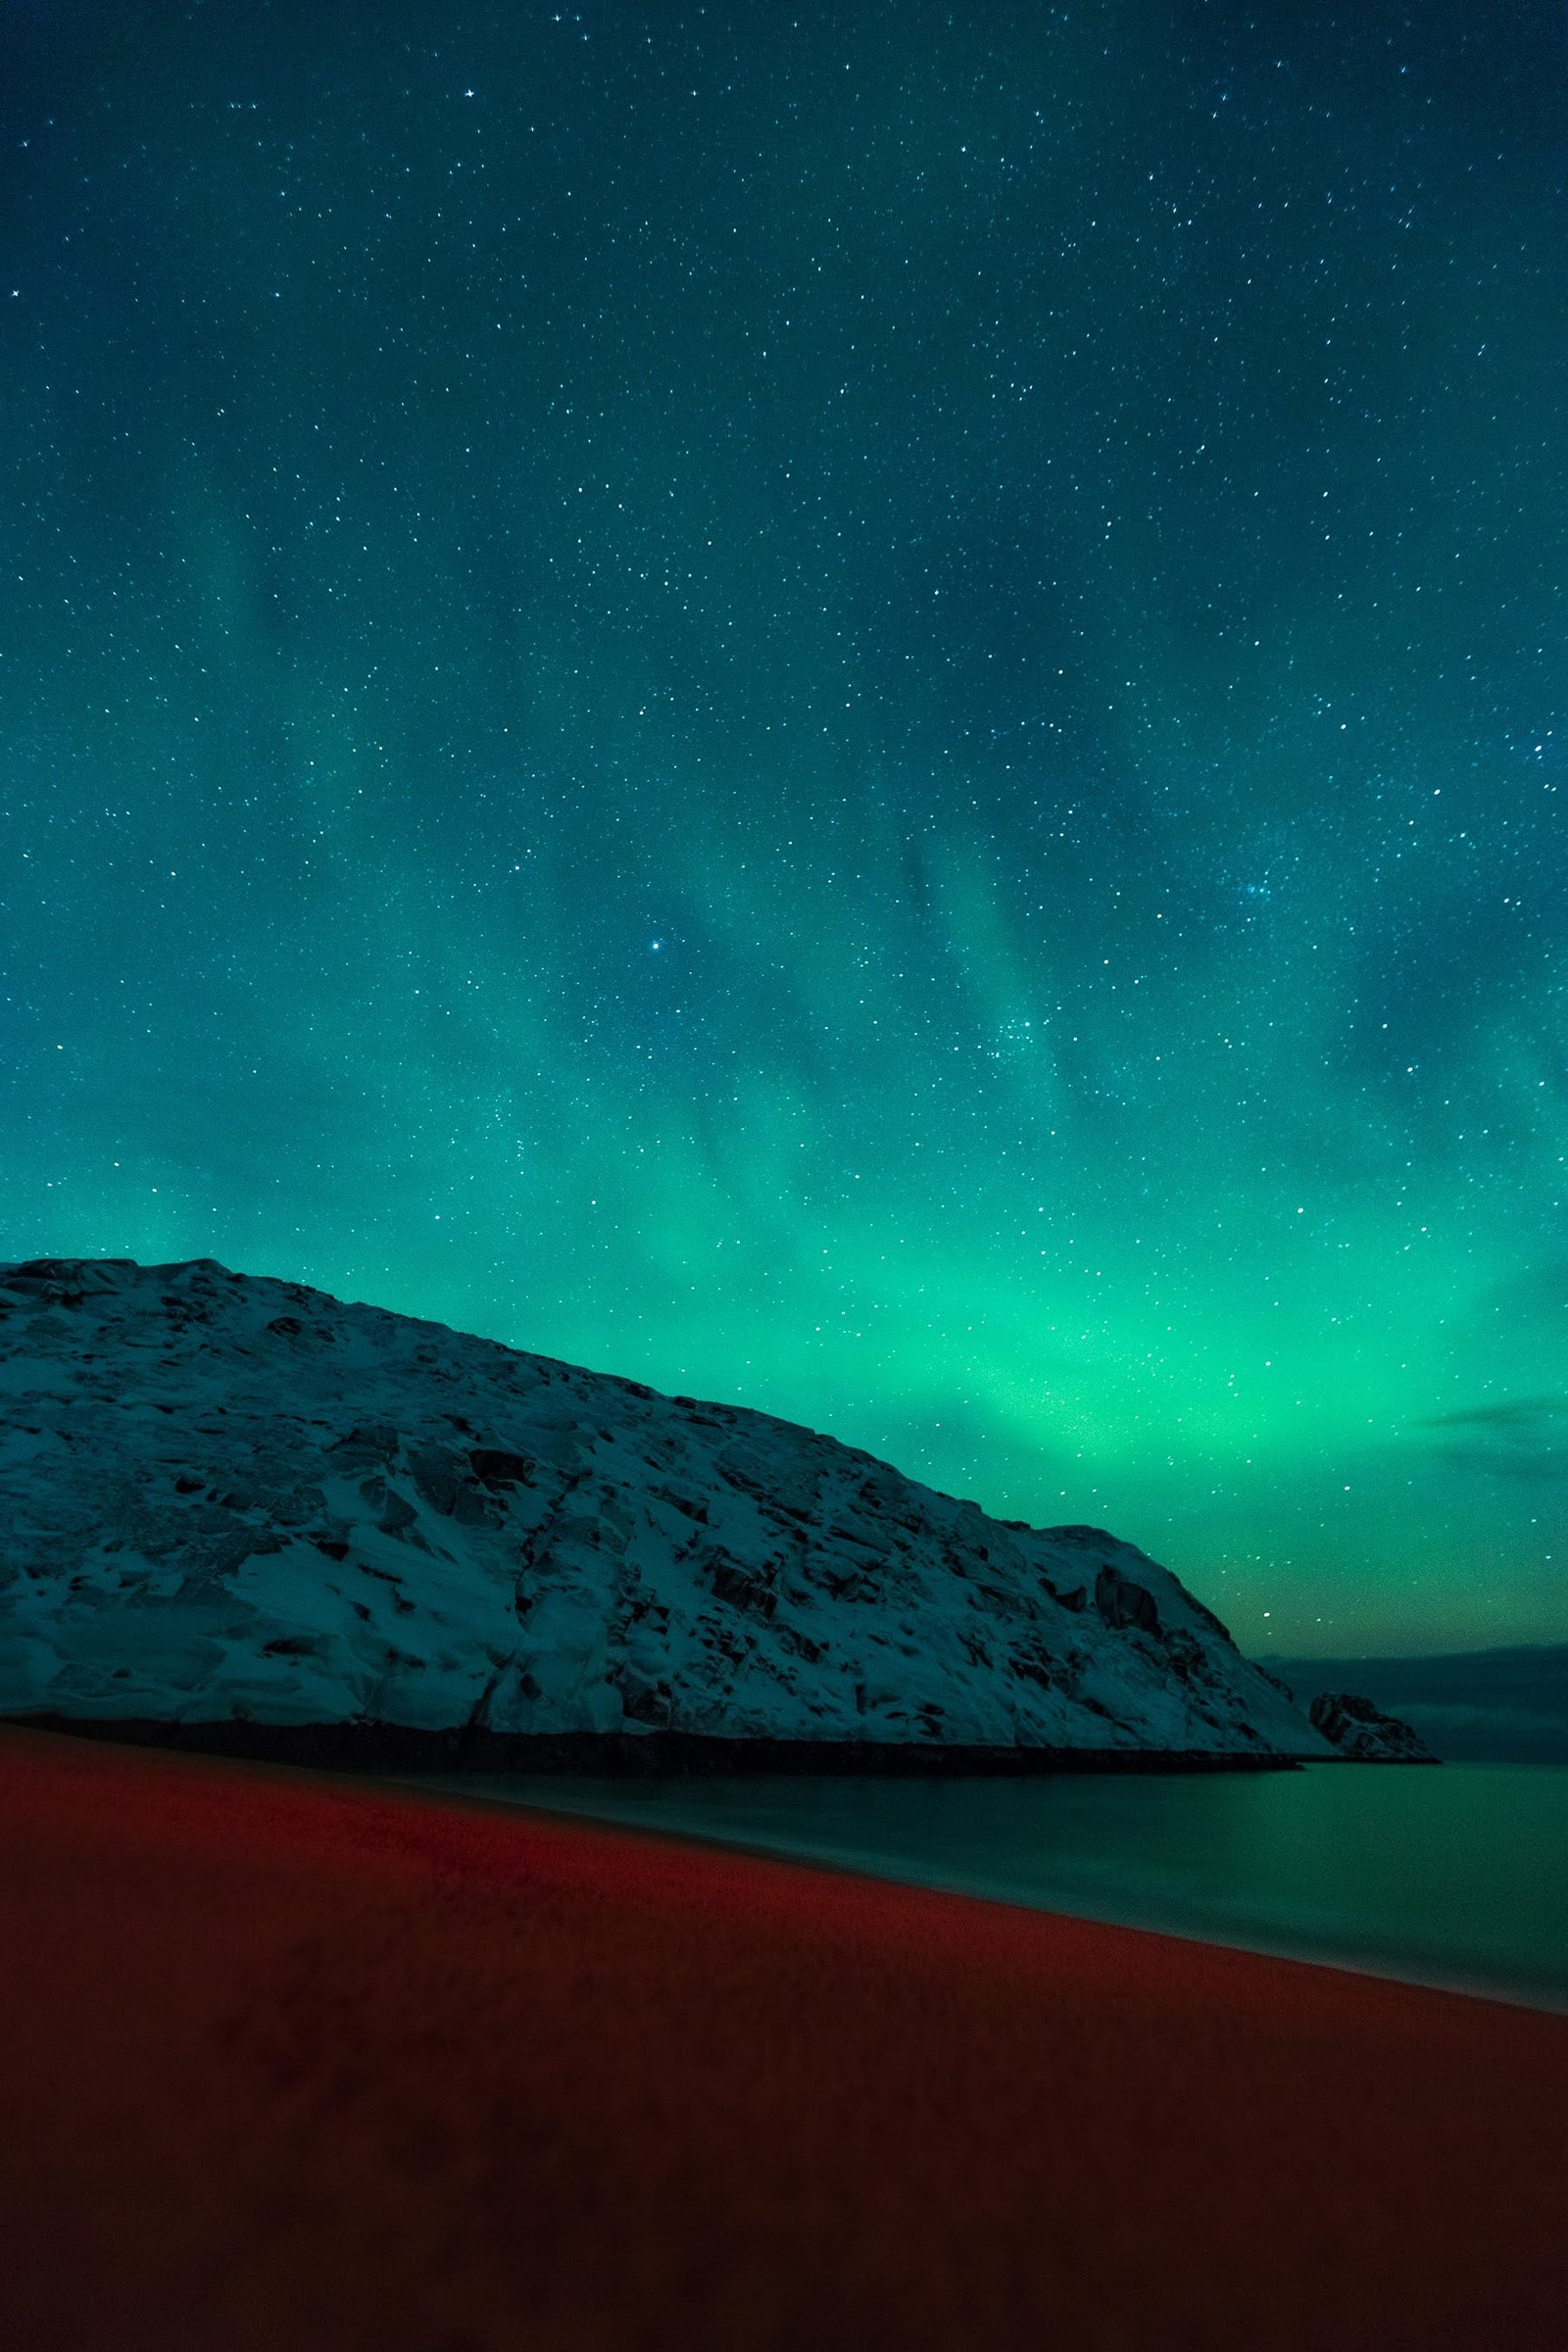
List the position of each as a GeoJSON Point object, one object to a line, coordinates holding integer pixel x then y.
{"type": "Point", "coordinates": [1122, 1602]}
{"type": "Point", "coordinates": [494, 1466]}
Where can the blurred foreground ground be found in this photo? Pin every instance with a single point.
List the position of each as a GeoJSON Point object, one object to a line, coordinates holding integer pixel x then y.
{"type": "Point", "coordinates": [290, 2063]}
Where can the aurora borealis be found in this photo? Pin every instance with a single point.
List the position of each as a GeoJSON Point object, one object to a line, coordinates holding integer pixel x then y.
{"type": "Point", "coordinates": [855, 707]}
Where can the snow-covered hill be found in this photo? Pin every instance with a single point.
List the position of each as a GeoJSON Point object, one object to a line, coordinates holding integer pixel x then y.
{"type": "Point", "coordinates": [223, 1498]}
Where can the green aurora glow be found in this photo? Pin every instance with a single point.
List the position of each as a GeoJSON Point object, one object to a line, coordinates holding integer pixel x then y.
{"type": "Point", "coordinates": [846, 711]}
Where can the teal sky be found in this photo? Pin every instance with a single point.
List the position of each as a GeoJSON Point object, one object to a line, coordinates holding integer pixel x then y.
{"type": "Point", "coordinates": [855, 708]}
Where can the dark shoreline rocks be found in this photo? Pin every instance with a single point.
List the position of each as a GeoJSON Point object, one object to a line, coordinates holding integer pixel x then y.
{"type": "Point", "coordinates": [402, 1747]}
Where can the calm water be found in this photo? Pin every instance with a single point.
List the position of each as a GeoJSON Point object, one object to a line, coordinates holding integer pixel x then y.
{"type": "Point", "coordinates": [1455, 1875]}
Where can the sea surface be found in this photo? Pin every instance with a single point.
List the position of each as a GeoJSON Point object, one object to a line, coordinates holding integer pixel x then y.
{"type": "Point", "coordinates": [1453, 1875]}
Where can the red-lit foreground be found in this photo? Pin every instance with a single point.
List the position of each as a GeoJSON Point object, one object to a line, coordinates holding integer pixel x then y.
{"type": "Point", "coordinates": [287, 2063]}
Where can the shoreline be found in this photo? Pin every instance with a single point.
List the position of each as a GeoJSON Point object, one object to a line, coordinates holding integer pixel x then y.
{"type": "Point", "coordinates": [1421, 1971]}
{"type": "Point", "coordinates": [297, 2063]}
{"type": "Point", "coordinates": [377, 1747]}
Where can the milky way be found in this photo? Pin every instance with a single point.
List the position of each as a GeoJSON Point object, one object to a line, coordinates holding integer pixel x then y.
{"type": "Point", "coordinates": [858, 708]}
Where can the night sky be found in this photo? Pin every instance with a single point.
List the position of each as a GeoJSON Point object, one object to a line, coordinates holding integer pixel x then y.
{"type": "Point", "coordinates": [860, 708]}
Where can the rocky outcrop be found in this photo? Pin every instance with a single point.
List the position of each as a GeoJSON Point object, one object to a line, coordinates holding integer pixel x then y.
{"type": "Point", "coordinates": [236, 1502]}
{"type": "Point", "coordinates": [1363, 1735]}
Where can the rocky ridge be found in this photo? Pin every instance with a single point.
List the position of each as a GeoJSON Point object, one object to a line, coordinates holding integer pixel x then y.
{"type": "Point", "coordinates": [234, 1501]}
{"type": "Point", "coordinates": [1363, 1735]}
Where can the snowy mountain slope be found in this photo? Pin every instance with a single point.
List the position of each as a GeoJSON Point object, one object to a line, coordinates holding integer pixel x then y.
{"type": "Point", "coordinates": [229, 1497]}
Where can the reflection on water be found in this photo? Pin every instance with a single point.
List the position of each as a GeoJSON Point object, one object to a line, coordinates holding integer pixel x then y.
{"type": "Point", "coordinates": [1454, 1875]}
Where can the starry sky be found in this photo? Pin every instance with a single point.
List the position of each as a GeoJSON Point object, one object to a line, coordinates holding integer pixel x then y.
{"type": "Point", "coordinates": [855, 707]}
